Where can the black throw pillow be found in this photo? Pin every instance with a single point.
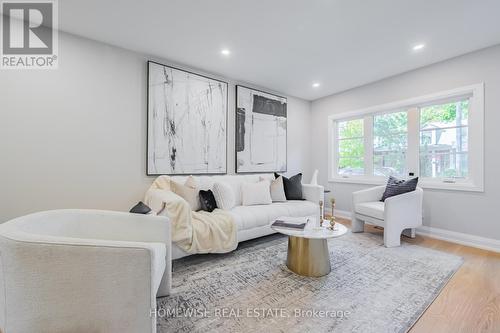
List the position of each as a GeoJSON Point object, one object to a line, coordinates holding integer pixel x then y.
{"type": "Point", "coordinates": [292, 186]}
{"type": "Point", "coordinates": [140, 208]}
{"type": "Point", "coordinates": [207, 201]}
{"type": "Point", "coordinates": [399, 186]}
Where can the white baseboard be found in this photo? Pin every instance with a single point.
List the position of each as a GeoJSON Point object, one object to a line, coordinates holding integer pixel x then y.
{"type": "Point", "coordinates": [484, 243]}
{"type": "Point", "coordinates": [479, 242]}
{"type": "Point", "coordinates": [342, 213]}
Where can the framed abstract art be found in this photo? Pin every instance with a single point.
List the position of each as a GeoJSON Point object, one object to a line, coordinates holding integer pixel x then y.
{"type": "Point", "coordinates": [261, 131]}
{"type": "Point", "coordinates": [187, 122]}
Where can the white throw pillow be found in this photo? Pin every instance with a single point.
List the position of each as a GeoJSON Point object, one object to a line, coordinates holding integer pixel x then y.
{"type": "Point", "coordinates": [235, 185]}
{"type": "Point", "coordinates": [224, 195]}
{"type": "Point", "coordinates": [189, 191]}
{"type": "Point", "coordinates": [277, 189]}
{"type": "Point", "coordinates": [256, 193]}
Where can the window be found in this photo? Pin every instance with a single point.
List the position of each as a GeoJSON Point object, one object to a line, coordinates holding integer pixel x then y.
{"type": "Point", "coordinates": [444, 140]}
{"type": "Point", "coordinates": [428, 136]}
{"type": "Point", "coordinates": [390, 143]}
{"type": "Point", "coordinates": [351, 149]}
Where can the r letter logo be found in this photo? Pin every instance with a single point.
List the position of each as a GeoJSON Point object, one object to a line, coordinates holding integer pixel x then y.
{"type": "Point", "coordinates": [29, 35]}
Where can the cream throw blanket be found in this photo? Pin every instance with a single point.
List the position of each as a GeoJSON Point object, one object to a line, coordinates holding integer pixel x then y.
{"type": "Point", "coordinates": [193, 232]}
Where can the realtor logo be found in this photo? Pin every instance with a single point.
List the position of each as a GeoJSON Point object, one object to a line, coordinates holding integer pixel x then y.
{"type": "Point", "coordinates": [29, 34]}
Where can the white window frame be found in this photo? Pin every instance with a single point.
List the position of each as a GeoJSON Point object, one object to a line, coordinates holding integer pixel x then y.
{"type": "Point", "coordinates": [475, 179]}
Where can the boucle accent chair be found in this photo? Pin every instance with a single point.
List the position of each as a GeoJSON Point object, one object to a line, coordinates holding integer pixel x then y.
{"type": "Point", "coordinates": [83, 271]}
{"type": "Point", "coordinates": [396, 214]}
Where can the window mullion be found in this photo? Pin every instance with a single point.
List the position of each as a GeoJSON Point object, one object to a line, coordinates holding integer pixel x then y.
{"type": "Point", "coordinates": [368, 145]}
{"type": "Point", "coordinates": [413, 153]}
{"type": "Point", "coordinates": [333, 148]}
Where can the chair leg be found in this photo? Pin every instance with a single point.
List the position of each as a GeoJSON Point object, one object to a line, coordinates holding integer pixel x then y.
{"type": "Point", "coordinates": [392, 237]}
{"type": "Point", "coordinates": [357, 225]}
{"type": "Point", "coordinates": [410, 232]}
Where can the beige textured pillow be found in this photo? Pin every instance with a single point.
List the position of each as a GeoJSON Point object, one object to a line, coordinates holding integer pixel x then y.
{"type": "Point", "coordinates": [161, 183]}
{"type": "Point", "coordinates": [191, 182]}
{"type": "Point", "coordinates": [188, 191]}
{"type": "Point", "coordinates": [277, 189]}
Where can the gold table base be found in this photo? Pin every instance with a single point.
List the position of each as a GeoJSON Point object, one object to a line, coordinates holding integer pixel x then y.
{"type": "Point", "coordinates": [308, 256]}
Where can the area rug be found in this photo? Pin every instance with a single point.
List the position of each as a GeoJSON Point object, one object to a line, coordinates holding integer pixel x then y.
{"type": "Point", "coordinates": [370, 289]}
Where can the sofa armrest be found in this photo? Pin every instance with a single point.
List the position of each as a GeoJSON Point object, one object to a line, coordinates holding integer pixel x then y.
{"type": "Point", "coordinates": [368, 195]}
{"type": "Point", "coordinates": [146, 228]}
{"type": "Point", "coordinates": [91, 282]}
{"type": "Point", "coordinates": [118, 226]}
{"type": "Point", "coordinates": [313, 193]}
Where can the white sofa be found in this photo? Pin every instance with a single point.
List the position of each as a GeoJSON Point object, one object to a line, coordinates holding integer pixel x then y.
{"type": "Point", "coordinates": [255, 221]}
{"type": "Point", "coordinates": [83, 271]}
{"type": "Point", "coordinates": [398, 214]}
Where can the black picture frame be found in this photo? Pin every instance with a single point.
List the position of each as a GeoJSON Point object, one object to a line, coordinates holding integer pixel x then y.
{"type": "Point", "coordinates": [148, 173]}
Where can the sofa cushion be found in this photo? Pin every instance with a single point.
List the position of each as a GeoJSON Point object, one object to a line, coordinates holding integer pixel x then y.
{"type": "Point", "coordinates": [293, 186]}
{"type": "Point", "coordinates": [235, 181]}
{"type": "Point", "coordinates": [224, 195]}
{"type": "Point", "coordinates": [207, 201]}
{"type": "Point", "coordinates": [256, 193]}
{"type": "Point", "coordinates": [373, 209]}
{"type": "Point", "coordinates": [248, 217]}
{"type": "Point", "coordinates": [399, 186]}
{"type": "Point", "coordinates": [277, 189]}
{"type": "Point", "coordinates": [236, 187]}
{"type": "Point", "coordinates": [188, 191]}
{"type": "Point", "coordinates": [140, 208]}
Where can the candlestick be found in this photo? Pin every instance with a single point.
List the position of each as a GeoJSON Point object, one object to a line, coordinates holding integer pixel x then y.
{"type": "Point", "coordinates": [321, 213]}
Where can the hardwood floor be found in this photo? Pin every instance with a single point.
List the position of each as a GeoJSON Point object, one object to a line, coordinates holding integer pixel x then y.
{"type": "Point", "coordinates": [470, 302]}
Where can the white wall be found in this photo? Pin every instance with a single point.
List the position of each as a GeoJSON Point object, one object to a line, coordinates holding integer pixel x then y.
{"type": "Point", "coordinates": [76, 137]}
{"type": "Point", "coordinates": [465, 212]}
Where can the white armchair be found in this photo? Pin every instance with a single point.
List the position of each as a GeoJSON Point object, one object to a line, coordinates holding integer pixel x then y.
{"type": "Point", "coordinates": [83, 271]}
{"type": "Point", "coordinates": [398, 214]}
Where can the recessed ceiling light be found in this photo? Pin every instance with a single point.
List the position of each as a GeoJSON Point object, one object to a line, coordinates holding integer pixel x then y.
{"type": "Point", "coordinates": [316, 84]}
{"type": "Point", "coordinates": [418, 47]}
{"type": "Point", "coordinates": [225, 52]}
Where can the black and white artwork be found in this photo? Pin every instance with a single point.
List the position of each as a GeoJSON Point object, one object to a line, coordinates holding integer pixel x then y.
{"type": "Point", "coordinates": [260, 131]}
{"type": "Point", "coordinates": [187, 118]}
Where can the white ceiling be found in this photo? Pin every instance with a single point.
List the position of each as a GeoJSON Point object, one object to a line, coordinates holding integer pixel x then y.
{"type": "Point", "coordinates": [286, 45]}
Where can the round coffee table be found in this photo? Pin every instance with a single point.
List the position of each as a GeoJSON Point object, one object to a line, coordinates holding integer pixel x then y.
{"type": "Point", "coordinates": [308, 249]}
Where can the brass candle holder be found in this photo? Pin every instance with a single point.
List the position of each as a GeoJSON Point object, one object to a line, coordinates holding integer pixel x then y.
{"type": "Point", "coordinates": [332, 218]}
{"type": "Point", "coordinates": [321, 213]}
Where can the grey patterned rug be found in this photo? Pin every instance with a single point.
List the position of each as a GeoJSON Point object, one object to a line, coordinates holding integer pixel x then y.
{"type": "Point", "coordinates": [370, 289]}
